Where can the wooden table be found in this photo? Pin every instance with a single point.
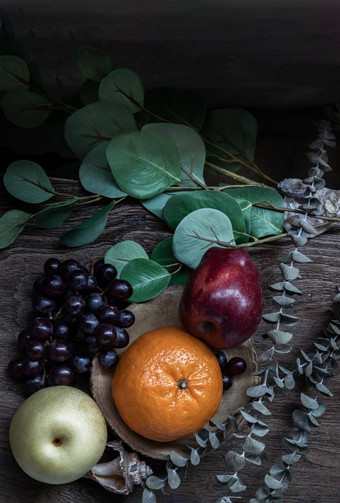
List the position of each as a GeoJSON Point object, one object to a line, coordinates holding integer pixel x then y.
{"type": "Point", "coordinates": [315, 478]}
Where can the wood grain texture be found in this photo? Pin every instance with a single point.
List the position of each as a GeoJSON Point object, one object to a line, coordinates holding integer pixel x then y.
{"type": "Point", "coordinates": [315, 478]}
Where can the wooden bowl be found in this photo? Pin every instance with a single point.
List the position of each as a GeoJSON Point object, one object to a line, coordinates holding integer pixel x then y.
{"type": "Point", "coordinates": [159, 312]}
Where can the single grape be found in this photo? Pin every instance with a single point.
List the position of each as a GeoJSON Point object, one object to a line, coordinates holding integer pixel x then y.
{"type": "Point", "coordinates": [126, 318]}
{"type": "Point", "coordinates": [23, 338]}
{"type": "Point", "coordinates": [106, 334]}
{"type": "Point", "coordinates": [74, 306]}
{"type": "Point", "coordinates": [61, 375]}
{"type": "Point", "coordinates": [105, 274]}
{"type": "Point", "coordinates": [14, 368]}
{"type": "Point", "coordinates": [59, 350]}
{"type": "Point", "coordinates": [53, 286]}
{"type": "Point", "coordinates": [62, 330]}
{"type": "Point", "coordinates": [94, 301]}
{"type": "Point", "coordinates": [236, 366]}
{"type": "Point", "coordinates": [81, 363]}
{"type": "Point", "coordinates": [88, 323]}
{"type": "Point", "coordinates": [119, 290]}
{"type": "Point", "coordinates": [68, 267]}
{"type": "Point", "coordinates": [77, 280]}
{"type": "Point", "coordinates": [122, 338]}
{"type": "Point", "coordinates": [108, 359]}
{"type": "Point", "coordinates": [34, 384]}
{"type": "Point", "coordinates": [93, 346]}
{"type": "Point", "coordinates": [41, 329]}
{"type": "Point", "coordinates": [35, 350]}
{"type": "Point", "coordinates": [108, 314]}
{"type": "Point", "coordinates": [42, 304]}
{"type": "Point", "coordinates": [227, 381]}
{"type": "Point", "coordinates": [221, 358]}
{"type": "Point", "coordinates": [91, 284]}
{"type": "Point", "coordinates": [52, 266]}
{"type": "Point", "coordinates": [37, 284]}
{"type": "Point", "coordinates": [31, 368]}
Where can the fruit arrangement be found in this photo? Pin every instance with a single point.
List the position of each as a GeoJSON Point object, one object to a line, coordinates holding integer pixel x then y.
{"type": "Point", "coordinates": [77, 313]}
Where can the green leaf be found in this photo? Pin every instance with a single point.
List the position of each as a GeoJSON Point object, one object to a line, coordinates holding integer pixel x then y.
{"type": "Point", "coordinates": [252, 446]}
{"type": "Point", "coordinates": [262, 222]}
{"type": "Point", "coordinates": [122, 253]}
{"type": "Point", "coordinates": [179, 206]}
{"type": "Point", "coordinates": [11, 224]}
{"type": "Point", "coordinates": [56, 215]}
{"type": "Point", "coordinates": [309, 403]}
{"type": "Point", "coordinates": [177, 459]}
{"type": "Point", "coordinates": [163, 255]}
{"type": "Point", "coordinates": [14, 73]}
{"type": "Point", "coordinates": [89, 230]}
{"type": "Point", "coordinates": [148, 279]}
{"type": "Point", "coordinates": [156, 204]}
{"type": "Point", "coordinates": [96, 123]}
{"type": "Point", "coordinates": [93, 63]}
{"type": "Point", "coordinates": [25, 109]}
{"type": "Point", "coordinates": [191, 150]}
{"type": "Point", "coordinates": [199, 231]}
{"type": "Point", "coordinates": [27, 181]}
{"type": "Point", "coordinates": [235, 462]}
{"type": "Point", "coordinates": [177, 105]}
{"type": "Point", "coordinates": [119, 85]}
{"type": "Point", "coordinates": [143, 164]}
{"type": "Point", "coordinates": [272, 483]}
{"type": "Point", "coordinates": [148, 496]}
{"type": "Point", "coordinates": [233, 130]}
{"type": "Point", "coordinates": [96, 176]}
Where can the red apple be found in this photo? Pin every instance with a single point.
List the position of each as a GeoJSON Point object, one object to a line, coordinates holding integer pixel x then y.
{"type": "Point", "coordinates": [222, 300]}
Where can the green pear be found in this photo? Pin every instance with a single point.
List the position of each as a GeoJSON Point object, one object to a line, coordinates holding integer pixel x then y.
{"type": "Point", "coordinates": [58, 434]}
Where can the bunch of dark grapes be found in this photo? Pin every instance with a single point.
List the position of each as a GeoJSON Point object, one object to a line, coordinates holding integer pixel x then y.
{"type": "Point", "coordinates": [230, 368]}
{"type": "Point", "coordinates": [77, 314]}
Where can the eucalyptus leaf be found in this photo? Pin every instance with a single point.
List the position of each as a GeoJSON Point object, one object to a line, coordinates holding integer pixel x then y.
{"type": "Point", "coordinates": [260, 407]}
{"type": "Point", "coordinates": [177, 105]}
{"type": "Point", "coordinates": [235, 461]}
{"type": "Point", "coordinates": [177, 459]}
{"type": "Point", "coordinates": [163, 255]}
{"type": "Point", "coordinates": [89, 230]}
{"type": "Point", "coordinates": [279, 336]}
{"type": "Point", "coordinates": [148, 279]}
{"type": "Point", "coordinates": [213, 439]}
{"type": "Point", "coordinates": [291, 459]}
{"type": "Point", "coordinates": [174, 480]}
{"type": "Point", "coordinates": [179, 206]}
{"type": "Point", "coordinates": [257, 391]}
{"type": "Point", "coordinates": [195, 458]}
{"type": "Point", "coordinates": [148, 496]}
{"type": "Point", "coordinates": [122, 253]}
{"type": "Point", "coordinates": [27, 181]}
{"type": "Point", "coordinates": [14, 73]}
{"type": "Point", "coordinates": [237, 487]}
{"type": "Point", "coordinates": [272, 483]}
{"type": "Point", "coordinates": [191, 150]}
{"type": "Point", "coordinates": [154, 482]}
{"type": "Point", "coordinates": [96, 176]}
{"type": "Point", "coordinates": [263, 222]}
{"type": "Point", "coordinates": [143, 164]}
{"type": "Point", "coordinates": [290, 273]}
{"type": "Point", "coordinates": [96, 123]}
{"type": "Point", "coordinates": [253, 446]}
{"type": "Point", "coordinates": [93, 63]}
{"type": "Point", "coordinates": [120, 85]}
{"type": "Point", "coordinates": [50, 218]}
{"type": "Point", "coordinates": [25, 108]}
{"type": "Point", "coordinates": [156, 204]}
{"type": "Point", "coordinates": [199, 231]}
{"type": "Point", "coordinates": [309, 403]}
{"type": "Point", "coordinates": [233, 130]}
{"type": "Point", "coordinates": [11, 224]}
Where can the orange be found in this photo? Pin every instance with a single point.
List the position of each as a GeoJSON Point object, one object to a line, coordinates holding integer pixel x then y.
{"type": "Point", "coordinates": [167, 384]}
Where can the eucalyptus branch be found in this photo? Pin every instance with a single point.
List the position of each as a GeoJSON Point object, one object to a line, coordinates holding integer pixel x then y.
{"type": "Point", "coordinates": [233, 175]}
{"type": "Point", "coordinates": [270, 206]}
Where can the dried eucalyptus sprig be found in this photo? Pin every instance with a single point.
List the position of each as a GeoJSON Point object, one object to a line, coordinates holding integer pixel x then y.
{"type": "Point", "coordinates": [274, 375]}
{"type": "Point", "coordinates": [315, 367]}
